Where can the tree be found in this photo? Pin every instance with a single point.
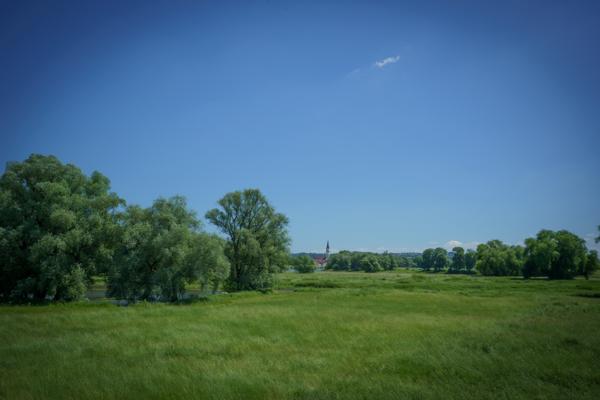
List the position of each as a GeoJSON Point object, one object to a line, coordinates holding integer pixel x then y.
{"type": "Point", "coordinates": [388, 261]}
{"type": "Point", "coordinates": [357, 261]}
{"type": "Point", "coordinates": [591, 264]}
{"type": "Point", "coordinates": [371, 264]}
{"type": "Point", "coordinates": [598, 237]}
{"type": "Point", "coordinates": [427, 259]}
{"type": "Point", "coordinates": [405, 262]}
{"type": "Point", "coordinates": [498, 259]}
{"type": "Point", "coordinates": [418, 261]}
{"type": "Point", "coordinates": [470, 260]}
{"type": "Point", "coordinates": [558, 255]}
{"type": "Point", "coordinates": [207, 262]}
{"type": "Point", "coordinates": [257, 238]}
{"type": "Point", "coordinates": [58, 227]}
{"type": "Point", "coordinates": [540, 253]}
{"type": "Point", "coordinates": [458, 260]}
{"type": "Point", "coordinates": [341, 261]}
{"type": "Point", "coordinates": [303, 264]}
{"type": "Point", "coordinates": [163, 250]}
{"type": "Point", "coordinates": [440, 259]}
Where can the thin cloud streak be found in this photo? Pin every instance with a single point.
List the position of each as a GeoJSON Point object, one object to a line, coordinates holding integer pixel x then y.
{"type": "Point", "coordinates": [386, 61]}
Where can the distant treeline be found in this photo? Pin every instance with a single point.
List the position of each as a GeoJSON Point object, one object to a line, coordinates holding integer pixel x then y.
{"type": "Point", "coordinates": [368, 262]}
{"type": "Point", "coordinates": [553, 254]}
{"type": "Point", "coordinates": [320, 255]}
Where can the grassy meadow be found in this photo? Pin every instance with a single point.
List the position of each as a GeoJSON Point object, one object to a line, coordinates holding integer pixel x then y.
{"type": "Point", "coordinates": [329, 335]}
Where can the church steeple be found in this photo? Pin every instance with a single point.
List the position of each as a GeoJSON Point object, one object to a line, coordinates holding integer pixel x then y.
{"type": "Point", "coordinates": [327, 251]}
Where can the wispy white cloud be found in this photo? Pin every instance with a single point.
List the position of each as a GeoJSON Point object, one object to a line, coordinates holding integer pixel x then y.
{"type": "Point", "coordinates": [386, 61]}
{"type": "Point", "coordinates": [361, 71]}
{"type": "Point", "coordinates": [354, 74]}
{"type": "Point", "coordinates": [450, 244]}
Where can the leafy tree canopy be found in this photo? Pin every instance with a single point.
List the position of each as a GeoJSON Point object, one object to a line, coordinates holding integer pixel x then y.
{"type": "Point", "coordinates": [440, 259]}
{"type": "Point", "coordinates": [257, 238]}
{"type": "Point", "coordinates": [499, 259]}
{"type": "Point", "coordinates": [163, 250]}
{"type": "Point", "coordinates": [436, 259]}
{"type": "Point", "coordinates": [592, 264]}
{"type": "Point", "coordinates": [58, 227]}
{"type": "Point", "coordinates": [557, 255]}
{"type": "Point", "coordinates": [470, 260]}
{"type": "Point", "coordinates": [458, 260]}
{"type": "Point", "coordinates": [303, 264]}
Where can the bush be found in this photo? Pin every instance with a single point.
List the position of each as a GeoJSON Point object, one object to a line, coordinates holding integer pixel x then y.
{"type": "Point", "coordinates": [364, 261]}
{"type": "Point", "coordinates": [303, 264]}
{"type": "Point", "coordinates": [370, 264]}
{"type": "Point", "coordinates": [495, 258]}
{"type": "Point", "coordinates": [557, 255]}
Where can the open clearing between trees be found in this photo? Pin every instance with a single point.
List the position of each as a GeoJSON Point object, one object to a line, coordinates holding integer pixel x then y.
{"type": "Point", "coordinates": [324, 335]}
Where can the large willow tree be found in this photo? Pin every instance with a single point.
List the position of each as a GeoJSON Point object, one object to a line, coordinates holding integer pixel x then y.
{"type": "Point", "coordinates": [57, 228]}
{"type": "Point", "coordinates": [163, 249]}
{"type": "Point", "coordinates": [257, 238]}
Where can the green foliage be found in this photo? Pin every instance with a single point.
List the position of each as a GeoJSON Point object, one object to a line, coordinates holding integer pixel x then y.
{"type": "Point", "coordinates": [74, 283]}
{"type": "Point", "coordinates": [434, 259]}
{"type": "Point", "coordinates": [207, 261]}
{"type": "Point", "coordinates": [540, 252]}
{"type": "Point", "coordinates": [557, 255]}
{"type": "Point", "coordinates": [389, 262]}
{"type": "Point", "coordinates": [427, 259]}
{"type": "Point", "coordinates": [440, 259]}
{"type": "Point", "coordinates": [371, 264]}
{"type": "Point", "coordinates": [418, 261]}
{"type": "Point", "coordinates": [592, 264]}
{"type": "Point", "coordinates": [408, 262]}
{"type": "Point", "coordinates": [341, 261]}
{"type": "Point", "coordinates": [163, 250]}
{"type": "Point", "coordinates": [498, 259]}
{"type": "Point", "coordinates": [365, 261]}
{"type": "Point", "coordinates": [257, 238]}
{"type": "Point", "coordinates": [58, 227]}
{"type": "Point", "coordinates": [470, 261]}
{"type": "Point", "coordinates": [458, 261]}
{"type": "Point", "coordinates": [303, 264]}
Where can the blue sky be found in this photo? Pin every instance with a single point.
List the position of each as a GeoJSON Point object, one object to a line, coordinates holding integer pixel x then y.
{"type": "Point", "coordinates": [374, 125]}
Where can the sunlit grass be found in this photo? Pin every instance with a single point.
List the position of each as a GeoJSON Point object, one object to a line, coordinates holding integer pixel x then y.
{"type": "Point", "coordinates": [324, 335]}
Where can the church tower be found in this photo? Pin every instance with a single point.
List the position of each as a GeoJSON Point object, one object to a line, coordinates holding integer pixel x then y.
{"type": "Point", "coordinates": [327, 251]}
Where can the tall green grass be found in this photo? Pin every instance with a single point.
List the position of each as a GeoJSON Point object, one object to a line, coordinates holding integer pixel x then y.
{"type": "Point", "coordinates": [317, 336]}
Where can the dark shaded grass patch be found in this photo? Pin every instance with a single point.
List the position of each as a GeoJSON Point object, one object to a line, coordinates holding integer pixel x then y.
{"type": "Point", "coordinates": [595, 295]}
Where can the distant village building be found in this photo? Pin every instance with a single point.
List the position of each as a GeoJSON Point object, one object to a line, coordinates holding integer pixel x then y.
{"type": "Point", "coordinates": [321, 261]}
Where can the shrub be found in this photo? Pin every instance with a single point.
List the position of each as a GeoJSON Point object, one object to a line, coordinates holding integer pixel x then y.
{"type": "Point", "coordinates": [303, 264]}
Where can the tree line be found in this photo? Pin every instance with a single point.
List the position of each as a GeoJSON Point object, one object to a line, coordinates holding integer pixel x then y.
{"type": "Point", "coordinates": [556, 255]}
{"type": "Point", "coordinates": [553, 254]}
{"type": "Point", "coordinates": [367, 261]}
{"type": "Point", "coordinates": [59, 228]}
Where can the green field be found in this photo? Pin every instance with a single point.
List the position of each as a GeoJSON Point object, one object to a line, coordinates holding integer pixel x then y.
{"type": "Point", "coordinates": [325, 335]}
